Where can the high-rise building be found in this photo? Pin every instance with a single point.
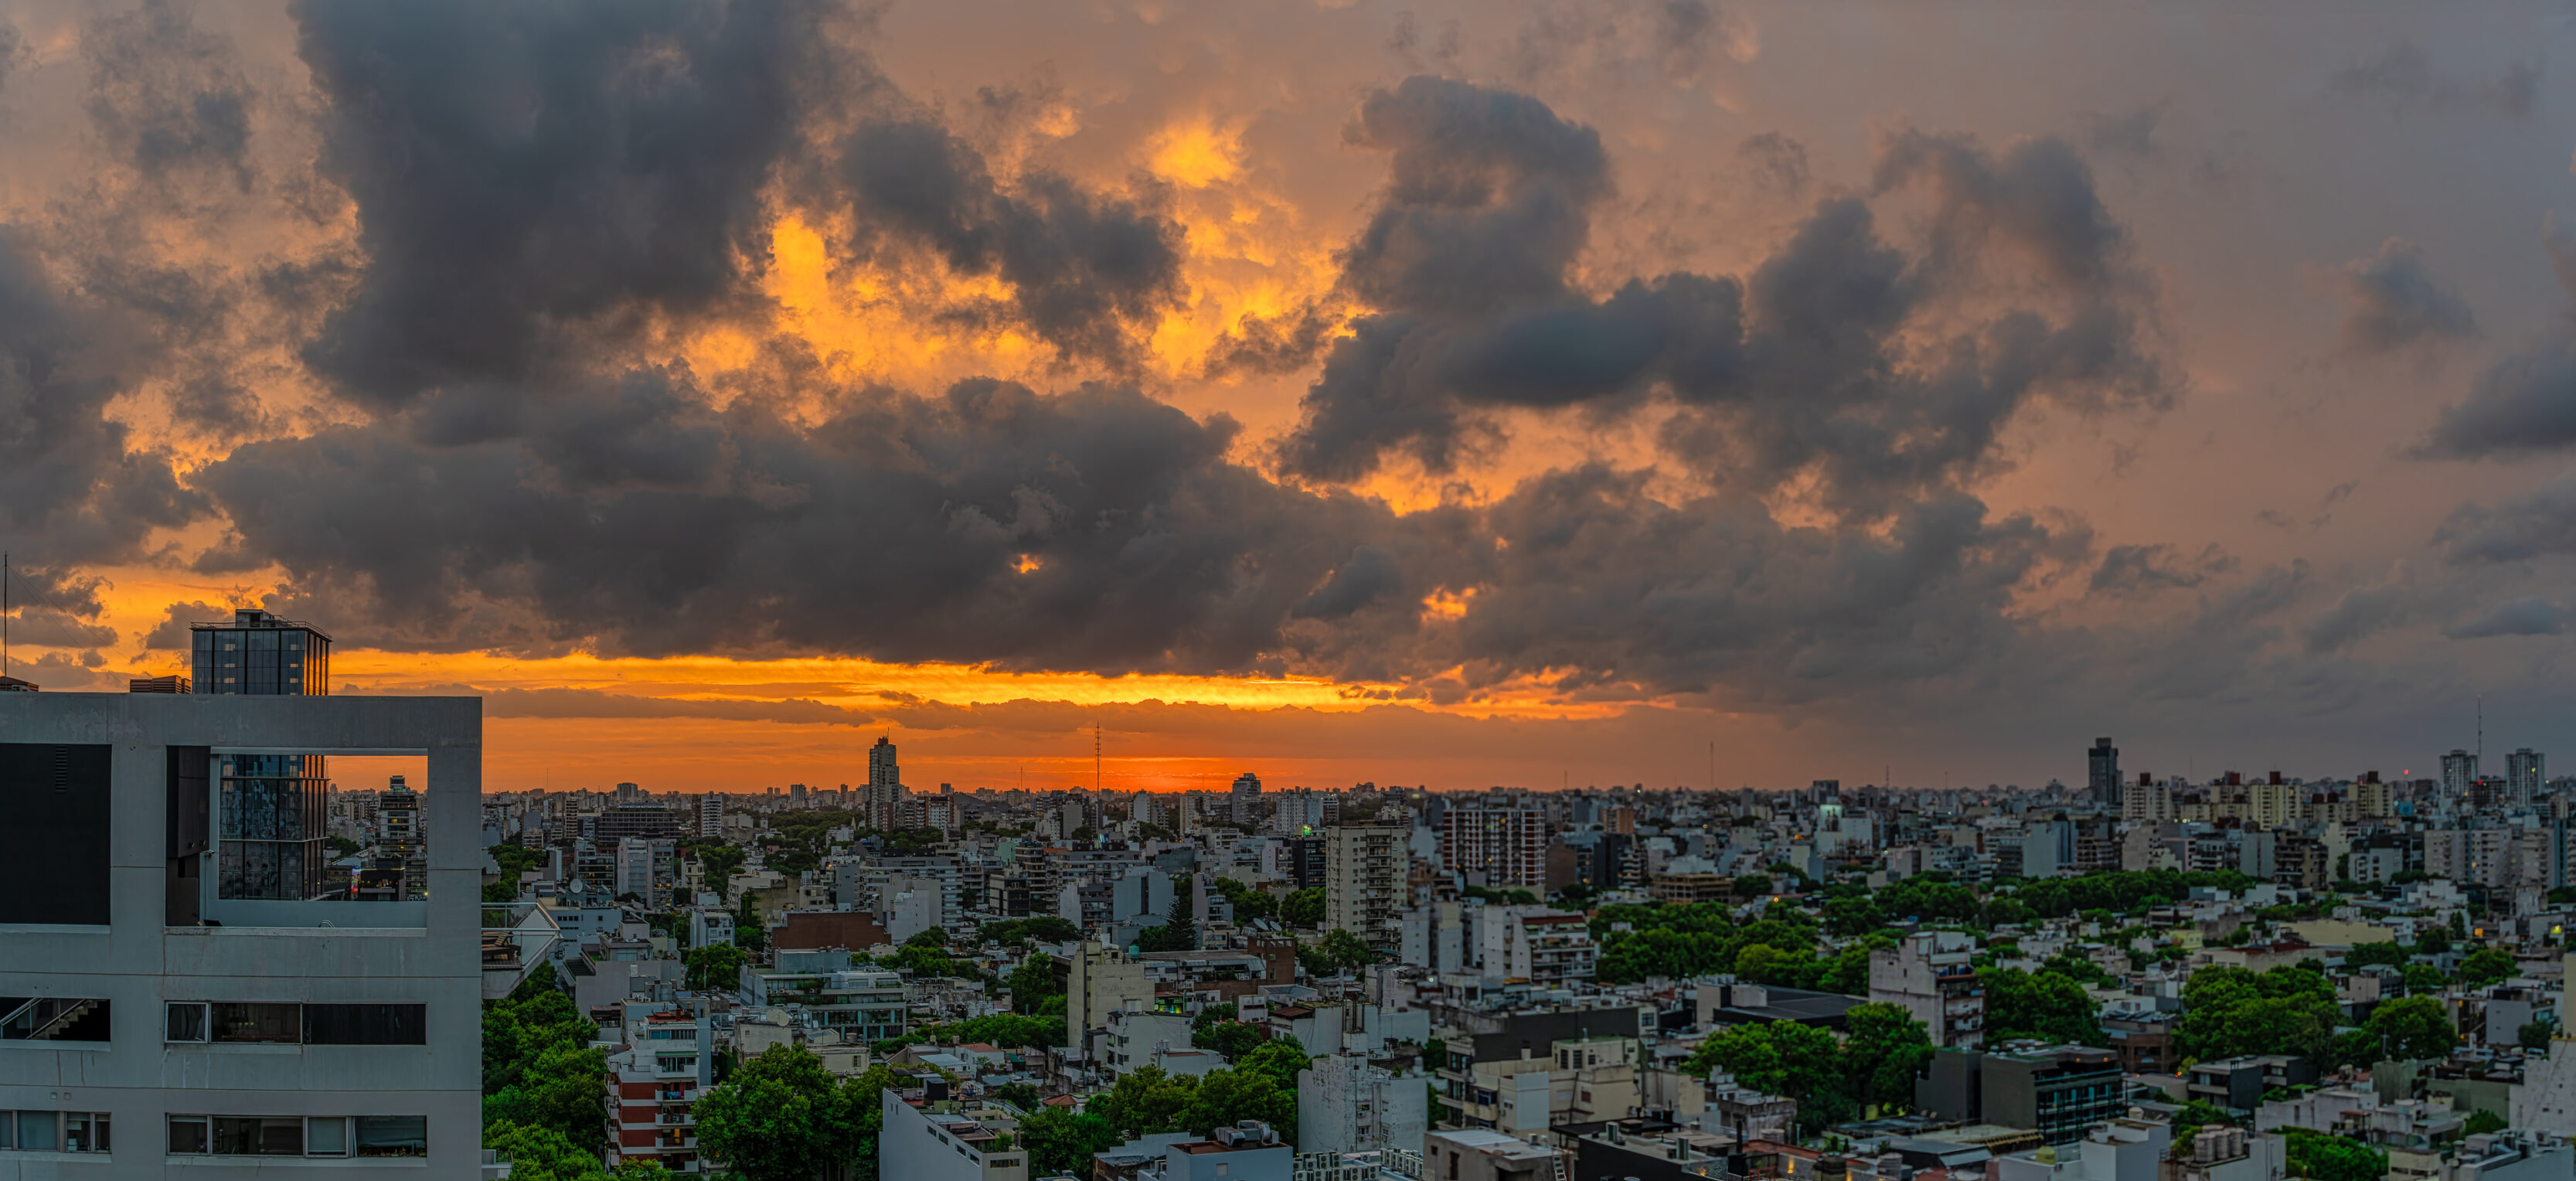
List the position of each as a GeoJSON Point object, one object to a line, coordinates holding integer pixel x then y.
{"type": "Point", "coordinates": [271, 809]}
{"type": "Point", "coordinates": [2103, 766]}
{"type": "Point", "coordinates": [884, 799]}
{"type": "Point", "coordinates": [710, 814]}
{"type": "Point", "coordinates": [1502, 848]}
{"type": "Point", "coordinates": [882, 770]}
{"type": "Point", "coordinates": [1245, 801]}
{"type": "Point", "coordinates": [1365, 866]}
{"type": "Point", "coordinates": [2459, 771]}
{"type": "Point", "coordinates": [2523, 776]}
{"type": "Point", "coordinates": [401, 838]}
{"type": "Point", "coordinates": [147, 999]}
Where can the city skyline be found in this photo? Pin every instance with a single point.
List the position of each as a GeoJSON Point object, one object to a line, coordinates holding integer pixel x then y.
{"type": "Point", "coordinates": [1439, 393]}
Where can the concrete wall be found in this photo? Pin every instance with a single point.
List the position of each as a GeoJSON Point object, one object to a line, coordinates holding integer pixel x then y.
{"type": "Point", "coordinates": [137, 963]}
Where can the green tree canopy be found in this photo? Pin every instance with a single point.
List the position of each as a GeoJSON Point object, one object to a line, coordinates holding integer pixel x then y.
{"type": "Point", "coordinates": [2229, 1011]}
{"type": "Point", "coordinates": [1228, 1097]}
{"type": "Point", "coordinates": [1249, 901]}
{"type": "Point", "coordinates": [2366, 954]}
{"type": "Point", "coordinates": [716, 967]}
{"type": "Point", "coordinates": [542, 1153]}
{"type": "Point", "coordinates": [2320, 1157]}
{"type": "Point", "coordinates": [2043, 1004]}
{"type": "Point", "coordinates": [1144, 1101]}
{"type": "Point", "coordinates": [2486, 966]}
{"type": "Point", "coordinates": [1001, 1030]}
{"type": "Point", "coordinates": [2412, 1027]}
{"type": "Point", "coordinates": [1303, 908]}
{"type": "Point", "coordinates": [1883, 1047]}
{"type": "Point", "coordinates": [1783, 1058]}
{"type": "Point", "coordinates": [783, 1117]}
{"type": "Point", "coordinates": [1233, 1039]}
{"type": "Point", "coordinates": [1280, 1058]}
{"type": "Point", "coordinates": [1061, 1142]}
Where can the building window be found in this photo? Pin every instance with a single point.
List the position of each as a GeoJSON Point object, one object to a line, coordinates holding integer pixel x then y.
{"type": "Point", "coordinates": [262, 1023]}
{"type": "Point", "coordinates": [393, 1135]}
{"type": "Point", "coordinates": [268, 1024]}
{"type": "Point", "coordinates": [308, 1136]}
{"type": "Point", "coordinates": [54, 1131]}
{"type": "Point", "coordinates": [366, 1025]}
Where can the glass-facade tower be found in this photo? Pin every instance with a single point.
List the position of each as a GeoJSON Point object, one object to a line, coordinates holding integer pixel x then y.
{"type": "Point", "coordinates": [271, 810]}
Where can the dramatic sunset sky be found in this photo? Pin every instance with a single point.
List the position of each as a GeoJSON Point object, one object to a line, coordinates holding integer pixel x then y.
{"type": "Point", "coordinates": [1590, 391]}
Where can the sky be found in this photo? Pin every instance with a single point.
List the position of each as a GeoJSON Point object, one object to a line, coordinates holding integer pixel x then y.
{"type": "Point", "coordinates": [1527, 392]}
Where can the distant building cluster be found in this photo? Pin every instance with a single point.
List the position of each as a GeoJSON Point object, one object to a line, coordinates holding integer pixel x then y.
{"type": "Point", "coordinates": [2138, 979]}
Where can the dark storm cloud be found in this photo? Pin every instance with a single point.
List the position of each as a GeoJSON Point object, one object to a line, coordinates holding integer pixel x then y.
{"type": "Point", "coordinates": [2538, 523]}
{"type": "Point", "coordinates": [168, 98]}
{"type": "Point", "coordinates": [1086, 270]}
{"type": "Point", "coordinates": [2522, 404]}
{"type": "Point", "coordinates": [898, 529]}
{"type": "Point", "coordinates": [72, 488]}
{"type": "Point", "coordinates": [1598, 576]}
{"type": "Point", "coordinates": [2521, 617]}
{"type": "Point", "coordinates": [2392, 301]}
{"type": "Point", "coordinates": [524, 171]}
{"type": "Point", "coordinates": [539, 183]}
{"type": "Point", "coordinates": [1466, 267]}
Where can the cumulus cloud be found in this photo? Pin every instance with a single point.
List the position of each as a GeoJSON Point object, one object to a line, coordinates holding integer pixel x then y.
{"type": "Point", "coordinates": [168, 98]}
{"type": "Point", "coordinates": [2538, 523]}
{"type": "Point", "coordinates": [72, 484]}
{"type": "Point", "coordinates": [1086, 270]}
{"type": "Point", "coordinates": [2523, 404]}
{"type": "Point", "coordinates": [523, 173]}
{"type": "Point", "coordinates": [171, 632]}
{"type": "Point", "coordinates": [2521, 617]}
{"type": "Point", "coordinates": [634, 515]}
{"type": "Point", "coordinates": [2392, 301]}
{"type": "Point", "coordinates": [1819, 364]}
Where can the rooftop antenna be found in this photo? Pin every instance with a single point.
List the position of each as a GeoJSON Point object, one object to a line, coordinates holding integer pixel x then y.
{"type": "Point", "coordinates": [2482, 728]}
{"type": "Point", "coordinates": [4, 613]}
{"type": "Point", "coordinates": [1095, 756]}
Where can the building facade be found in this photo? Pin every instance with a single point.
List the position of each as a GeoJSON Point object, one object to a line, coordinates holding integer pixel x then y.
{"type": "Point", "coordinates": [317, 1028]}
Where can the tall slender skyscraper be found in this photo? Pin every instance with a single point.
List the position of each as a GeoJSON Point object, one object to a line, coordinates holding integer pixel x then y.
{"type": "Point", "coordinates": [884, 799]}
{"type": "Point", "coordinates": [2523, 776]}
{"type": "Point", "coordinates": [2104, 763]}
{"type": "Point", "coordinates": [2459, 771]}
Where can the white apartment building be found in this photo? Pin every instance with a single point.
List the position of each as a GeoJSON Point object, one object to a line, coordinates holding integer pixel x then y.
{"type": "Point", "coordinates": [1547, 947]}
{"type": "Point", "coordinates": [1930, 975]}
{"type": "Point", "coordinates": [181, 998]}
{"type": "Point", "coordinates": [946, 1144]}
{"type": "Point", "coordinates": [1364, 881]}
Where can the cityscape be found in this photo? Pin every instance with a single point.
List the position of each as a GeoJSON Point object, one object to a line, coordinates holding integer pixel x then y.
{"type": "Point", "coordinates": [2242, 979]}
{"type": "Point", "coordinates": [1287, 590]}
